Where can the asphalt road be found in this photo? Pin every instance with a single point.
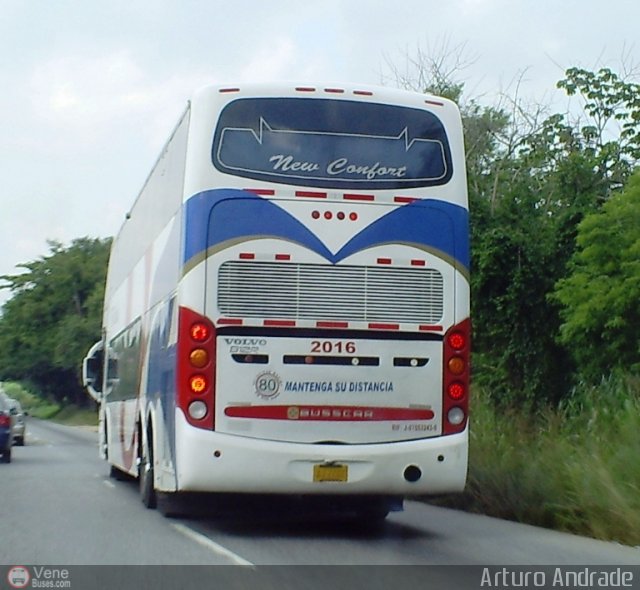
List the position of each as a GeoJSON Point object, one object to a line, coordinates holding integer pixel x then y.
{"type": "Point", "coordinates": [58, 506]}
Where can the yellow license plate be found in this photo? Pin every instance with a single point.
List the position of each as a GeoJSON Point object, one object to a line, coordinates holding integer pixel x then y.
{"type": "Point", "coordinates": [330, 473]}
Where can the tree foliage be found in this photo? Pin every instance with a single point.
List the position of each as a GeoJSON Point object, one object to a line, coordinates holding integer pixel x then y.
{"type": "Point", "coordinates": [53, 317]}
{"type": "Point", "coordinates": [611, 131]}
{"type": "Point", "coordinates": [601, 294]}
{"type": "Point", "coordinates": [533, 176]}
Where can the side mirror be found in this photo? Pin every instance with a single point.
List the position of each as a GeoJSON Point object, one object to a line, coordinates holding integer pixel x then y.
{"type": "Point", "coordinates": [92, 371]}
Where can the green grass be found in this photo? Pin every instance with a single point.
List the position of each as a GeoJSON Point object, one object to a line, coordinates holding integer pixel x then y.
{"type": "Point", "coordinates": [47, 410]}
{"type": "Point", "coordinates": [74, 416]}
{"type": "Point", "coordinates": [574, 468]}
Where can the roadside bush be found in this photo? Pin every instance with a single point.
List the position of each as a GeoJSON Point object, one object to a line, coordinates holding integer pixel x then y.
{"type": "Point", "coordinates": [573, 468]}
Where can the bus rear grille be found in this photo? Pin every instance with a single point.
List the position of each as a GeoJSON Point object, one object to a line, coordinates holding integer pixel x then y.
{"type": "Point", "coordinates": [324, 292]}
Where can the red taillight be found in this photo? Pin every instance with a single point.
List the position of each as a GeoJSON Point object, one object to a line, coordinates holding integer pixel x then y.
{"type": "Point", "coordinates": [455, 398]}
{"type": "Point", "coordinates": [5, 420]}
{"type": "Point", "coordinates": [196, 368]}
{"type": "Point", "coordinates": [456, 391]}
{"type": "Point", "coordinates": [457, 340]}
{"type": "Point", "coordinates": [199, 331]}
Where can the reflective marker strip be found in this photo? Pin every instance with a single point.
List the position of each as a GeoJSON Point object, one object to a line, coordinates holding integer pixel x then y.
{"type": "Point", "coordinates": [311, 194]}
{"type": "Point", "coordinates": [320, 195]}
{"type": "Point", "coordinates": [384, 326]}
{"type": "Point", "coordinates": [430, 328]}
{"type": "Point", "coordinates": [279, 323]}
{"type": "Point", "coordinates": [332, 324]}
{"type": "Point", "coordinates": [229, 322]}
{"type": "Point", "coordinates": [261, 191]}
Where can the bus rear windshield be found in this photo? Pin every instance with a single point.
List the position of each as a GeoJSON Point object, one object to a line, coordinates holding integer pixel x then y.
{"type": "Point", "coordinates": [337, 144]}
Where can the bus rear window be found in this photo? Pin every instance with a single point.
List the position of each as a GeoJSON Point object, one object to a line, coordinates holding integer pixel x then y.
{"type": "Point", "coordinates": [335, 144]}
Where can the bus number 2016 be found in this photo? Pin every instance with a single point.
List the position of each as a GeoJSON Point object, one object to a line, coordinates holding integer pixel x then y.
{"type": "Point", "coordinates": [328, 346]}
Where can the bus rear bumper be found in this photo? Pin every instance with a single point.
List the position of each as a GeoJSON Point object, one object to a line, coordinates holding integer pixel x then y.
{"type": "Point", "coordinates": [213, 462]}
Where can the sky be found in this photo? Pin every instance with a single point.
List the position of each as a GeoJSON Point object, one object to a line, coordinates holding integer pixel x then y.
{"type": "Point", "coordinates": [90, 89]}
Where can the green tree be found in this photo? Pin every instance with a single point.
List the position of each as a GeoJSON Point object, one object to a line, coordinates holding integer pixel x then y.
{"type": "Point", "coordinates": [610, 127]}
{"type": "Point", "coordinates": [600, 297]}
{"type": "Point", "coordinates": [533, 176]}
{"type": "Point", "coordinates": [545, 179]}
{"type": "Point", "coordinates": [53, 317]}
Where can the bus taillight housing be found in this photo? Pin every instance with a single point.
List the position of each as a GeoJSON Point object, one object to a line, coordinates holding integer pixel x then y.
{"type": "Point", "coordinates": [455, 394]}
{"type": "Point", "coordinates": [196, 368]}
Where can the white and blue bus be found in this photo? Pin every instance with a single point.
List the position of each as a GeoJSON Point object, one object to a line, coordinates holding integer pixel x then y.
{"type": "Point", "coordinates": [287, 302]}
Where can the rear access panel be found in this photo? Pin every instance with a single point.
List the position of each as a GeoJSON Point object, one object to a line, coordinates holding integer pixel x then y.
{"type": "Point", "coordinates": [328, 389]}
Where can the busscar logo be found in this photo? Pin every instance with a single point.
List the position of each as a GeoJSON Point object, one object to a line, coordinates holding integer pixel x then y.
{"type": "Point", "coordinates": [18, 576]}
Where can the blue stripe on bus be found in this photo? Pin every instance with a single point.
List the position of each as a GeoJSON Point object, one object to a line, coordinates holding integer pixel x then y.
{"type": "Point", "coordinates": [241, 215]}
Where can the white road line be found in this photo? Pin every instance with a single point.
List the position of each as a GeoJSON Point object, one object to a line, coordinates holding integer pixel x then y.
{"type": "Point", "coordinates": [211, 545]}
{"type": "Point", "coordinates": [108, 483]}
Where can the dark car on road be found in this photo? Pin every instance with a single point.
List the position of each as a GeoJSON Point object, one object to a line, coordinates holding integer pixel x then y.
{"type": "Point", "coordinates": [19, 422]}
{"type": "Point", "coordinates": [6, 428]}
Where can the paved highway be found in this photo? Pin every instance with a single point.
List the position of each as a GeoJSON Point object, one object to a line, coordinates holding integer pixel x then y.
{"type": "Point", "coordinates": [58, 506]}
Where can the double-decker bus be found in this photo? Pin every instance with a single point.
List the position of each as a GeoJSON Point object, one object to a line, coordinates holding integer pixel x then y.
{"type": "Point", "coordinates": [287, 302]}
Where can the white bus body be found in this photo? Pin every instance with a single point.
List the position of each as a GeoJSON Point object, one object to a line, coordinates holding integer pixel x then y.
{"type": "Point", "coordinates": [287, 303]}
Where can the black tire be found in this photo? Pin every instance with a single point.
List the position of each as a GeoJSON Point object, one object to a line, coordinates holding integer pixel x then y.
{"type": "Point", "coordinates": [104, 451]}
{"type": "Point", "coordinates": [117, 474]}
{"type": "Point", "coordinates": [374, 511]}
{"type": "Point", "coordinates": [146, 474]}
{"type": "Point", "coordinates": [6, 456]}
{"type": "Point", "coordinates": [169, 504]}
{"type": "Point", "coordinates": [373, 517]}
{"type": "Point", "coordinates": [20, 441]}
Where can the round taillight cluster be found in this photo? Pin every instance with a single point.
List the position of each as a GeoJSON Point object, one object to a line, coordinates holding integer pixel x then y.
{"type": "Point", "coordinates": [198, 359]}
{"type": "Point", "coordinates": [196, 348]}
{"type": "Point", "coordinates": [456, 378]}
{"type": "Point", "coordinates": [456, 363]}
